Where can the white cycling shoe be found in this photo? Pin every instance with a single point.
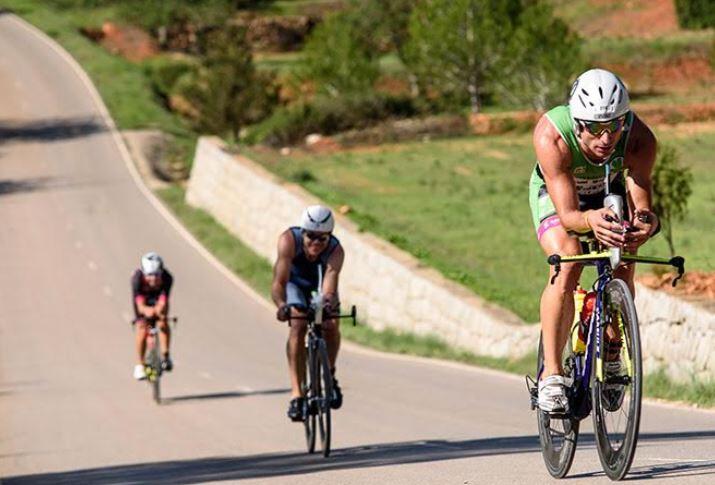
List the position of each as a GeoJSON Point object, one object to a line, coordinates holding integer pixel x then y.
{"type": "Point", "coordinates": [552, 395]}
{"type": "Point", "coordinates": [139, 373]}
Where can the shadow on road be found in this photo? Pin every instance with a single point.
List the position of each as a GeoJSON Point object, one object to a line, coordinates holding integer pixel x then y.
{"type": "Point", "coordinates": [221, 395]}
{"type": "Point", "coordinates": [673, 469]}
{"type": "Point", "coordinates": [285, 464]}
{"type": "Point", "coordinates": [10, 186]}
{"type": "Point", "coordinates": [49, 130]}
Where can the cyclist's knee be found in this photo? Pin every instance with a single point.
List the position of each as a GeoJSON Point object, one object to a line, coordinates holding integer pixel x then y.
{"type": "Point", "coordinates": [299, 326]}
{"type": "Point", "coordinates": [331, 328]}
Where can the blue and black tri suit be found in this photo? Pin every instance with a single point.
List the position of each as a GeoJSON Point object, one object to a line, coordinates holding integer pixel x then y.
{"type": "Point", "coordinates": [304, 273]}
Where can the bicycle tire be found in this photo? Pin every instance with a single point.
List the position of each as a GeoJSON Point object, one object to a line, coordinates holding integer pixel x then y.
{"type": "Point", "coordinates": [558, 436]}
{"type": "Point", "coordinates": [609, 399]}
{"type": "Point", "coordinates": [324, 390]}
{"type": "Point", "coordinates": [309, 421]}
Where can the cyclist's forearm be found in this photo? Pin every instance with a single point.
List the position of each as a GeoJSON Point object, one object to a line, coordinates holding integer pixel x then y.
{"type": "Point", "coordinates": [576, 220]}
{"type": "Point", "coordinates": [278, 294]}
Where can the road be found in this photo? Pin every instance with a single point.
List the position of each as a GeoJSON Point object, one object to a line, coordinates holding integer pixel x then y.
{"type": "Point", "coordinates": [73, 225]}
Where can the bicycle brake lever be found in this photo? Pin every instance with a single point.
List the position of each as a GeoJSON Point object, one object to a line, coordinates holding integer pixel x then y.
{"type": "Point", "coordinates": [555, 261]}
{"type": "Point", "coordinates": [679, 263]}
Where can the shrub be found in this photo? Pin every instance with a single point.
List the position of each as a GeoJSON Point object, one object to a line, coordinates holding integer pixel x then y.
{"type": "Point", "coordinates": [695, 14]}
{"type": "Point", "coordinates": [327, 116]}
{"type": "Point", "coordinates": [672, 186]}
{"type": "Point", "coordinates": [164, 72]}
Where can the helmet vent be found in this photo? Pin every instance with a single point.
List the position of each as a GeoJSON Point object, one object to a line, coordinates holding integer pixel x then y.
{"type": "Point", "coordinates": [600, 92]}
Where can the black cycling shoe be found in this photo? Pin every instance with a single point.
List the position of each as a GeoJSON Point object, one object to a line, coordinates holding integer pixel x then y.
{"type": "Point", "coordinates": [336, 400]}
{"type": "Point", "coordinates": [295, 409]}
{"type": "Point", "coordinates": [167, 365]}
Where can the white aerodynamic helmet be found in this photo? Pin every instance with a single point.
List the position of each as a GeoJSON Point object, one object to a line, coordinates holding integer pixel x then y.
{"type": "Point", "coordinates": [598, 95]}
{"type": "Point", "coordinates": [151, 264]}
{"type": "Point", "coordinates": [317, 218]}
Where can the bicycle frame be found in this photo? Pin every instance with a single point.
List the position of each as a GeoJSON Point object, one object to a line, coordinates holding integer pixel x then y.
{"type": "Point", "coordinates": [603, 262]}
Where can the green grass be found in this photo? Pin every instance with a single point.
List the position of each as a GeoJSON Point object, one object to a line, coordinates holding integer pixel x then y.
{"type": "Point", "coordinates": [658, 385]}
{"type": "Point", "coordinates": [637, 51]}
{"type": "Point", "coordinates": [461, 206]}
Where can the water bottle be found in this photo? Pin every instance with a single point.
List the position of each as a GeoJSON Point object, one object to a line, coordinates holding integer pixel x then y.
{"type": "Point", "coordinates": [578, 343]}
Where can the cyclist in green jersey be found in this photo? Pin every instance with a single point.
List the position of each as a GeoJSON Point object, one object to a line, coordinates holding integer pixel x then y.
{"type": "Point", "coordinates": [574, 144]}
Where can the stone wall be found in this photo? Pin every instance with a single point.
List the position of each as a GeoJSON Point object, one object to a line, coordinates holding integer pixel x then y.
{"type": "Point", "coordinates": [676, 335]}
{"type": "Point", "coordinates": [392, 289]}
{"type": "Point", "coordinates": [389, 286]}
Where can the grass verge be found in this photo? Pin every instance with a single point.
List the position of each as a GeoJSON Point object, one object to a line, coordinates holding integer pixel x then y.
{"type": "Point", "coordinates": [699, 393]}
{"type": "Point", "coordinates": [256, 271]}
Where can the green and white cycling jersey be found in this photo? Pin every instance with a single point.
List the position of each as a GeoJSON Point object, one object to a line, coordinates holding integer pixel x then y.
{"type": "Point", "coordinates": [589, 177]}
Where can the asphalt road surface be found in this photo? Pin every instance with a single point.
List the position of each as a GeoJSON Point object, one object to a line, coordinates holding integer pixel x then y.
{"type": "Point", "coordinates": [73, 223]}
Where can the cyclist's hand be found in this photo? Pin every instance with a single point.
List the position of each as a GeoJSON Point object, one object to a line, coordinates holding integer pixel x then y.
{"type": "Point", "coordinates": [642, 226]}
{"type": "Point", "coordinates": [606, 227]}
{"type": "Point", "coordinates": [331, 304]}
{"type": "Point", "coordinates": [283, 313]}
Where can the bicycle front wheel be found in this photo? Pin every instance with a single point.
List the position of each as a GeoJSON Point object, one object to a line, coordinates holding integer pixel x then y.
{"type": "Point", "coordinates": [309, 421]}
{"type": "Point", "coordinates": [558, 434]}
{"type": "Point", "coordinates": [323, 390]}
{"type": "Point", "coordinates": [155, 376]}
{"type": "Point", "coordinates": [616, 388]}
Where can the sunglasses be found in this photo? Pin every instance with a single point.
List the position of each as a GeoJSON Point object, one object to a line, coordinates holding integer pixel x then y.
{"type": "Point", "coordinates": [317, 236]}
{"type": "Point", "coordinates": [596, 128]}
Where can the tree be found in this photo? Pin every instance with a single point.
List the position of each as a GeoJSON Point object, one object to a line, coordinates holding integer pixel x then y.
{"type": "Point", "coordinates": [455, 45]}
{"type": "Point", "coordinates": [226, 90]}
{"type": "Point", "coordinates": [671, 189]}
{"type": "Point", "coordinates": [542, 58]}
{"type": "Point", "coordinates": [340, 56]}
{"type": "Point", "coordinates": [515, 49]}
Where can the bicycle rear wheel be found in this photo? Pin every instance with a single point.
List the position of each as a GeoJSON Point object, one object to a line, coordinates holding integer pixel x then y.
{"type": "Point", "coordinates": [617, 396]}
{"type": "Point", "coordinates": [323, 390]}
{"type": "Point", "coordinates": [558, 434]}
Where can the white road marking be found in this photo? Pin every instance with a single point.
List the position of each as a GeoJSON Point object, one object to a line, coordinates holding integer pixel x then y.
{"type": "Point", "coordinates": [107, 291]}
{"type": "Point", "coordinates": [679, 460]}
{"type": "Point", "coordinates": [205, 375]}
{"type": "Point", "coordinates": [92, 266]}
{"type": "Point", "coordinates": [78, 244]}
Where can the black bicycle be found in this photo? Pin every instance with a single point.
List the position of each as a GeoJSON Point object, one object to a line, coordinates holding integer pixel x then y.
{"type": "Point", "coordinates": [611, 334]}
{"type": "Point", "coordinates": [318, 386]}
{"type": "Point", "coordinates": [152, 357]}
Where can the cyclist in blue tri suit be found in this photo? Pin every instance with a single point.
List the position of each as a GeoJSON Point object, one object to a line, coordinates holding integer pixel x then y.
{"type": "Point", "coordinates": [301, 251]}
